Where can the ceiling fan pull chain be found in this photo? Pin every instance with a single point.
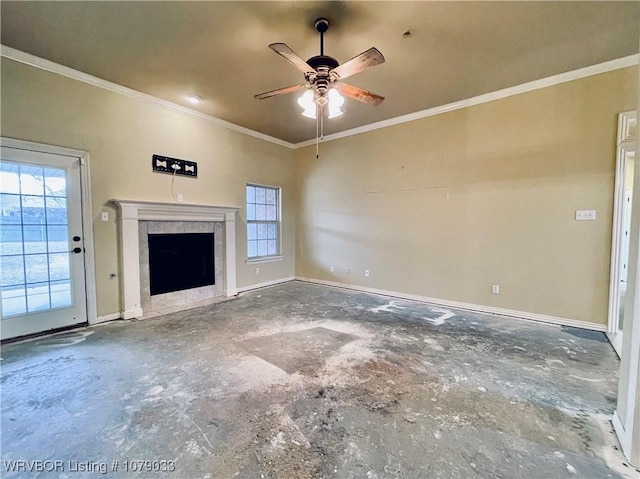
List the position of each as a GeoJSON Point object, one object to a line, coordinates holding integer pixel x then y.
{"type": "Point", "coordinates": [317, 132]}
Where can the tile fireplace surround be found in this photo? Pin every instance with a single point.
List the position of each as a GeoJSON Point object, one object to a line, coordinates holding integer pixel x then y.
{"type": "Point", "coordinates": [132, 213]}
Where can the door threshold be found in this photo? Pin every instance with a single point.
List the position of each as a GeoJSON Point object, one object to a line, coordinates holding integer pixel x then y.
{"type": "Point", "coordinates": [50, 332]}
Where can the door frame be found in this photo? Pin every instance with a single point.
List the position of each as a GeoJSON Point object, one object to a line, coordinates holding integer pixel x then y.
{"type": "Point", "coordinates": [626, 143]}
{"type": "Point", "coordinates": [86, 211]}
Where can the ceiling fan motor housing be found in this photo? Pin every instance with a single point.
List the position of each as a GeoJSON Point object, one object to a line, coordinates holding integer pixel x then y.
{"type": "Point", "coordinates": [323, 61]}
{"type": "Point", "coordinates": [322, 25]}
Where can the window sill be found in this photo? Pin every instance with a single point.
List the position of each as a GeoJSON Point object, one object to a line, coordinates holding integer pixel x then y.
{"type": "Point", "coordinates": [264, 259]}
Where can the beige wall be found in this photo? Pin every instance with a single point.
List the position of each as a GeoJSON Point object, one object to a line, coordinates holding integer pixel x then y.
{"type": "Point", "coordinates": [121, 134]}
{"type": "Point", "coordinates": [448, 205]}
{"type": "Point", "coordinates": [442, 207]}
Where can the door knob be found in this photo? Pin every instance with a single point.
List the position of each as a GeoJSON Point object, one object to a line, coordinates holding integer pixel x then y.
{"type": "Point", "coordinates": [76, 250]}
{"type": "Point", "coordinates": [76, 238]}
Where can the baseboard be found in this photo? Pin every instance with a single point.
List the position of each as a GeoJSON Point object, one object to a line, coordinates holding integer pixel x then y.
{"type": "Point", "coordinates": [616, 342]}
{"type": "Point", "coordinates": [265, 284]}
{"type": "Point", "coordinates": [105, 318]}
{"type": "Point", "coordinates": [477, 308]}
{"type": "Point", "coordinates": [132, 313]}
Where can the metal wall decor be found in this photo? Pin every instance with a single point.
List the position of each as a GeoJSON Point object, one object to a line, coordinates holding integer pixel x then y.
{"type": "Point", "coordinates": [164, 164]}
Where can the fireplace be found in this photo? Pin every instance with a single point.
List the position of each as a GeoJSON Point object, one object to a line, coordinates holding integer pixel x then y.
{"type": "Point", "coordinates": [180, 261]}
{"type": "Point", "coordinates": [140, 220]}
{"type": "Point", "coordinates": [186, 267]}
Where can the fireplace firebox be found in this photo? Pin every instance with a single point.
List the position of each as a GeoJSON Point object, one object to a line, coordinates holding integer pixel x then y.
{"type": "Point", "coordinates": [180, 261]}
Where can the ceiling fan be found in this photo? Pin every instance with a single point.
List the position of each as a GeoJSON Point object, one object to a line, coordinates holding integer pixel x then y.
{"type": "Point", "coordinates": [324, 75]}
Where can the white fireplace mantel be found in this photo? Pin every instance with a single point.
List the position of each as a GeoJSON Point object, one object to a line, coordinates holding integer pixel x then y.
{"type": "Point", "coordinates": [130, 212]}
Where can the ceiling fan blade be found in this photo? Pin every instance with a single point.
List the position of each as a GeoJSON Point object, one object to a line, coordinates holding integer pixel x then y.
{"type": "Point", "coordinates": [292, 57]}
{"type": "Point", "coordinates": [369, 58]}
{"type": "Point", "coordinates": [279, 91]}
{"type": "Point", "coordinates": [359, 94]}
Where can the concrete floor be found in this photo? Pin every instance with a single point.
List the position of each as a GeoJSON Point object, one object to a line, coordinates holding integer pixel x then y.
{"type": "Point", "coordinates": [304, 381]}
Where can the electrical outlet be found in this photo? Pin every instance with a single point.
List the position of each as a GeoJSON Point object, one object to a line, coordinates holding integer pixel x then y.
{"type": "Point", "coordinates": [180, 197]}
{"type": "Point", "coordinates": [495, 289]}
{"type": "Point", "coordinates": [257, 270]}
{"type": "Point", "coordinates": [331, 268]}
{"type": "Point", "coordinates": [349, 272]}
{"type": "Point", "coordinates": [366, 273]}
{"type": "Point", "coordinates": [104, 216]}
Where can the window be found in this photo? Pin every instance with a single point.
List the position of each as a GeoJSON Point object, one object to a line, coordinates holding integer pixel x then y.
{"type": "Point", "coordinates": [263, 221]}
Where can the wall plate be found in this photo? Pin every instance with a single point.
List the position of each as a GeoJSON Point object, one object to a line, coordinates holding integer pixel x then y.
{"type": "Point", "coordinates": [165, 164]}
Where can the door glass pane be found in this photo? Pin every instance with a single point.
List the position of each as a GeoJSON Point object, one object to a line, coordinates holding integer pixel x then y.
{"type": "Point", "coordinates": [9, 178]}
{"type": "Point", "coordinates": [36, 268]}
{"type": "Point", "coordinates": [56, 210]}
{"type": "Point", "coordinates": [38, 297]}
{"type": "Point", "coordinates": [35, 239]}
{"type": "Point", "coordinates": [60, 293]}
{"type": "Point", "coordinates": [14, 300]}
{"type": "Point", "coordinates": [59, 266]}
{"type": "Point", "coordinates": [57, 239]}
{"type": "Point", "coordinates": [10, 239]}
{"type": "Point", "coordinates": [33, 210]}
{"type": "Point", "coordinates": [55, 183]}
{"type": "Point", "coordinates": [34, 249]}
{"type": "Point", "coordinates": [10, 205]}
{"type": "Point", "coordinates": [31, 180]}
{"type": "Point", "coordinates": [12, 270]}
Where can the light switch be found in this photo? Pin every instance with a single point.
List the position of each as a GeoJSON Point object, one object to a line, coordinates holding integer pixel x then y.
{"type": "Point", "coordinates": [104, 216]}
{"type": "Point", "coordinates": [585, 215]}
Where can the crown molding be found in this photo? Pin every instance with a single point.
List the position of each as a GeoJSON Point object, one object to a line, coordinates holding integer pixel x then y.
{"type": "Point", "coordinates": [47, 65]}
{"type": "Point", "coordinates": [591, 70]}
{"type": "Point", "coordinates": [52, 67]}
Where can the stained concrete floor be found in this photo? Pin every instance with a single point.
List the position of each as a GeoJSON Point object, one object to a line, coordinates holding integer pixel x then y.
{"type": "Point", "coordinates": [305, 381]}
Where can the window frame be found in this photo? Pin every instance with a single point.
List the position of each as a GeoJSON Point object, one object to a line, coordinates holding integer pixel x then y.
{"type": "Point", "coordinates": [278, 222]}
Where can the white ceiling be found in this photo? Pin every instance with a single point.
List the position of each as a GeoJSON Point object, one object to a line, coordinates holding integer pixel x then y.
{"type": "Point", "coordinates": [218, 50]}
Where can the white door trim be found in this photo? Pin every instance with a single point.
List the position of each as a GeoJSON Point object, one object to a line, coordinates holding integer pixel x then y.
{"type": "Point", "coordinates": [87, 217]}
{"type": "Point", "coordinates": [627, 132]}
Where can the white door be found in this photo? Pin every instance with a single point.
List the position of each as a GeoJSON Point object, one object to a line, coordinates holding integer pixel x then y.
{"type": "Point", "coordinates": [41, 243]}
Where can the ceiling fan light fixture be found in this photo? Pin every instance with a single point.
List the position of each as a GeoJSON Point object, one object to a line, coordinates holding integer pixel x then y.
{"type": "Point", "coordinates": [335, 112]}
{"type": "Point", "coordinates": [310, 112]}
{"type": "Point", "coordinates": [336, 100]}
{"type": "Point", "coordinates": [306, 100]}
{"type": "Point", "coordinates": [308, 103]}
